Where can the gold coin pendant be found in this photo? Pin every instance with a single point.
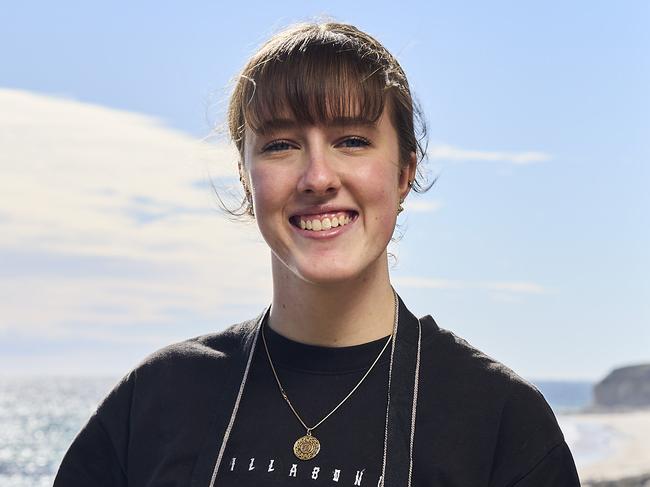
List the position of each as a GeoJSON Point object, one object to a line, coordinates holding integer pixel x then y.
{"type": "Point", "coordinates": [306, 447]}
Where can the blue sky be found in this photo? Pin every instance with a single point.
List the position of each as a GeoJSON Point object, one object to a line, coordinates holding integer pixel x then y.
{"type": "Point", "coordinates": [532, 245]}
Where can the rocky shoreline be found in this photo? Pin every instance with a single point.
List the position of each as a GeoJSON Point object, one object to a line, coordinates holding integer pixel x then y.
{"type": "Point", "coordinates": [625, 461]}
{"type": "Point", "coordinates": [621, 406]}
{"type": "Point", "coordinates": [638, 481]}
{"type": "Point", "coordinates": [624, 387]}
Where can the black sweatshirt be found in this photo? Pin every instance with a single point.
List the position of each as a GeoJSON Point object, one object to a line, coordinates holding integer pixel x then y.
{"type": "Point", "coordinates": [477, 422]}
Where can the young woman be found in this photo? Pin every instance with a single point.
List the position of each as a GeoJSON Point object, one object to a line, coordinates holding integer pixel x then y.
{"type": "Point", "coordinates": [336, 383]}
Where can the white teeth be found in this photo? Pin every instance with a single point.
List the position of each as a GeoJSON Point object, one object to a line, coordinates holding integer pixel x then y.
{"type": "Point", "coordinates": [317, 225]}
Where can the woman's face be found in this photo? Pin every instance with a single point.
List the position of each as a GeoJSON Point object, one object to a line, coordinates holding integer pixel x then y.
{"type": "Point", "coordinates": [326, 196]}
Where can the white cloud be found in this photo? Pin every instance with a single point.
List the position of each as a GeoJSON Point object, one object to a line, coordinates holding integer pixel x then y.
{"type": "Point", "coordinates": [450, 153]}
{"type": "Point", "coordinates": [515, 287]}
{"type": "Point", "coordinates": [419, 206]}
{"type": "Point", "coordinates": [103, 211]}
{"type": "Point", "coordinates": [427, 283]}
{"type": "Point", "coordinates": [502, 287]}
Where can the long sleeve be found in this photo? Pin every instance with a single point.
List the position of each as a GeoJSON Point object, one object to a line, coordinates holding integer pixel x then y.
{"type": "Point", "coordinates": [531, 450]}
{"type": "Point", "coordinates": [556, 468]}
{"type": "Point", "coordinates": [98, 455]}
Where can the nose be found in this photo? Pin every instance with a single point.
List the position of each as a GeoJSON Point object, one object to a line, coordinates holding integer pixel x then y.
{"type": "Point", "coordinates": [319, 174]}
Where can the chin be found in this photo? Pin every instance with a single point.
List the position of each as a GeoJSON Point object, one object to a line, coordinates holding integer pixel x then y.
{"type": "Point", "coordinates": [330, 274]}
{"type": "Point", "coordinates": [328, 280]}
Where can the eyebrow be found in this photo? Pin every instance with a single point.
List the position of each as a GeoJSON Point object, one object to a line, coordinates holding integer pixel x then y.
{"type": "Point", "coordinates": [277, 124]}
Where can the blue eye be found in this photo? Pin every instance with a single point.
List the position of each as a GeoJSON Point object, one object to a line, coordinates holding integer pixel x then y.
{"type": "Point", "coordinates": [355, 142]}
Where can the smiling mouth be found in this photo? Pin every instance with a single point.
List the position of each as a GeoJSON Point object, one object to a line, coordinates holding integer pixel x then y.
{"type": "Point", "coordinates": [325, 221]}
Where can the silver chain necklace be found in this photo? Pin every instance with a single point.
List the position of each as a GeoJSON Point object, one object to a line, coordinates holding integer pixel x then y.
{"type": "Point", "coordinates": [307, 446]}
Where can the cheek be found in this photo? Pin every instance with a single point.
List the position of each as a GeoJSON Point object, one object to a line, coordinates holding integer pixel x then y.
{"type": "Point", "coordinates": [380, 186]}
{"type": "Point", "coordinates": [380, 195]}
{"type": "Point", "coordinates": [269, 188]}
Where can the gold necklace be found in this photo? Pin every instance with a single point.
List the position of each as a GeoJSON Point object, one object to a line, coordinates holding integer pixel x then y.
{"type": "Point", "coordinates": [307, 446]}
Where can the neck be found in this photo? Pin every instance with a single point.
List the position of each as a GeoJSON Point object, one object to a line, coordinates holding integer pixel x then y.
{"type": "Point", "coordinates": [334, 314]}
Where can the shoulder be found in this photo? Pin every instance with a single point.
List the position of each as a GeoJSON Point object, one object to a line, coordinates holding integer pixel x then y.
{"type": "Point", "coordinates": [493, 401]}
{"type": "Point", "coordinates": [479, 385]}
{"type": "Point", "coordinates": [212, 348]}
{"type": "Point", "coordinates": [192, 366]}
{"type": "Point", "coordinates": [459, 362]}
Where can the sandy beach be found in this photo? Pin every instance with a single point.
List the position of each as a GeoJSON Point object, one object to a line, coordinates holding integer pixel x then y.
{"type": "Point", "coordinates": [609, 446]}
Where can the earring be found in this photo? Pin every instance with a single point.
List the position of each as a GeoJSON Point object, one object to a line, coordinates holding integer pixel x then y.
{"type": "Point", "coordinates": [249, 198]}
{"type": "Point", "coordinates": [249, 205]}
{"type": "Point", "coordinates": [400, 208]}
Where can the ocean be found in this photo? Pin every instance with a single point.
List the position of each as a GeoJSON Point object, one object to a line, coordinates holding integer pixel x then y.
{"type": "Point", "coordinates": [39, 418]}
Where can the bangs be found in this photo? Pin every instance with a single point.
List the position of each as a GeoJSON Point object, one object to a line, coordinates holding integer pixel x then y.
{"type": "Point", "coordinates": [314, 84]}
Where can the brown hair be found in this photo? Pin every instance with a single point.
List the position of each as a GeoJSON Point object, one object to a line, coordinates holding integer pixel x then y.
{"type": "Point", "coordinates": [318, 72]}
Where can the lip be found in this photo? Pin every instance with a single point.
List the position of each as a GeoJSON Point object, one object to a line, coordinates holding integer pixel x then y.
{"type": "Point", "coordinates": [318, 210]}
{"type": "Point", "coordinates": [323, 211]}
{"type": "Point", "coordinates": [324, 234]}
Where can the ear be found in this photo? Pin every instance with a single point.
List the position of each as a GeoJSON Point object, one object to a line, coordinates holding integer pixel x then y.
{"type": "Point", "coordinates": [407, 175]}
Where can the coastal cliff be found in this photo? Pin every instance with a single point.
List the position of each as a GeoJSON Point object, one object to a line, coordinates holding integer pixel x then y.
{"type": "Point", "coordinates": [625, 387]}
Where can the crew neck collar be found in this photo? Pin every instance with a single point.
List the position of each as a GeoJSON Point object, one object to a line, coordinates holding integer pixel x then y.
{"type": "Point", "coordinates": [290, 354]}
